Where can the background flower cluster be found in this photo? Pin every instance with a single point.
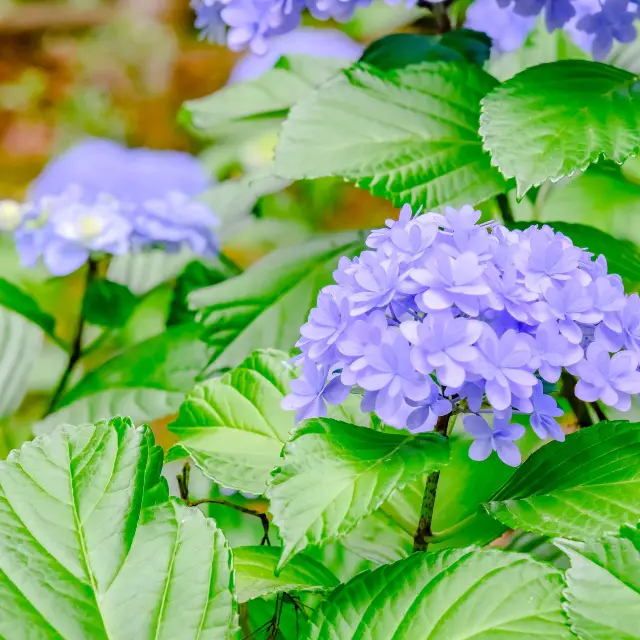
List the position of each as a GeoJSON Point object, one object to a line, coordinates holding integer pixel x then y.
{"type": "Point", "coordinates": [594, 24]}
{"type": "Point", "coordinates": [102, 197]}
{"type": "Point", "coordinates": [444, 314]}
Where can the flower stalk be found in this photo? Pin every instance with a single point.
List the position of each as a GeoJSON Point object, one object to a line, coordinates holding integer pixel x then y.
{"type": "Point", "coordinates": [424, 532]}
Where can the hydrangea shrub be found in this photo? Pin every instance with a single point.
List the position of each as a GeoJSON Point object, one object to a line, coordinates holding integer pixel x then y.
{"type": "Point", "coordinates": [428, 430]}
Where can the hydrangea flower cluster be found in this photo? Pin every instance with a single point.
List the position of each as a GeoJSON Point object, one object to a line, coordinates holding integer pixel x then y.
{"type": "Point", "coordinates": [250, 24]}
{"type": "Point", "coordinates": [442, 314]}
{"type": "Point", "coordinates": [593, 24]}
{"type": "Point", "coordinates": [101, 197]}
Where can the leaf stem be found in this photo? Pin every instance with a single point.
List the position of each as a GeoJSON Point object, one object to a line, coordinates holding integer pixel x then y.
{"type": "Point", "coordinates": [424, 533]}
{"type": "Point", "coordinates": [183, 486]}
{"type": "Point", "coordinates": [76, 345]}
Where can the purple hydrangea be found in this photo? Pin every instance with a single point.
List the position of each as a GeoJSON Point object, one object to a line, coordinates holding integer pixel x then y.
{"type": "Point", "coordinates": [103, 198]}
{"type": "Point", "coordinates": [444, 314]}
{"type": "Point", "coordinates": [503, 25]}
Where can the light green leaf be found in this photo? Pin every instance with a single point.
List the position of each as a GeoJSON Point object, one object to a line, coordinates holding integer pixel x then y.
{"type": "Point", "coordinates": [255, 573]}
{"type": "Point", "coordinates": [409, 135]}
{"type": "Point", "coordinates": [584, 487]}
{"type": "Point", "coordinates": [334, 474]}
{"type": "Point", "coordinates": [623, 257]}
{"type": "Point", "coordinates": [450, 595]}
{"type": "Point", "coordinates": [233, 426]}
{"type": "Point", "coordinates": [266, 305]}
{"type": "Point", "coordinates": [92, 547]}
{"type": "Point", "coordinates": [21, 344]}
{"type": "Point", "coordinates": [265, 98]}
{"type": "Point", "coordinates": [555, 119]}
{"type": "Point", "coordinates": [402, 49]}
{"type": "Point", "coordinates": [603, 586]}
{"type": "Point", "coordinates": [149, 380]}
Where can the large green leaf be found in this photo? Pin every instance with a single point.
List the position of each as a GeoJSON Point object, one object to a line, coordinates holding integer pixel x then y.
{"type": "Point", "coordinates": [233, 426]}
{"type": "Point", "coordinates": [623, 257]}
{"type": "Point", "coordinates": [91, 546]}
{"type": "Point", "coordinates": [584, 487]}
{"type": "Point", "coordinates": [148, 380]}
{"type": "Point", "coordinates": [410, 135]}
{"type": "Point", "coordinates": [255, 573]}
{"type": "Point", "coordinates": [21, 344]}
{"type": "Point", "coordinates": [451, 595]}
{"type": "Point", "coordinates": [266, 305]}
{"type": "Point", "coordinates": [265, 98]}
{"type": "Point", "coordinates": [603, 586]}
{"type": "Point", "coordinates": [334, 474]}
{"type": "Point", "coordinates": [554, 119]}
{"type": "Point", "coordinates": [402, 49]}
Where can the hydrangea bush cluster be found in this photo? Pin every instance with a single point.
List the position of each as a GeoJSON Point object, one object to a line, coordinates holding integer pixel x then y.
{"type": "Point", "coordinates": [593, 24]}
{"type": "Point", "coordinates": [442, 314]}
{"type": "Point", "coordinates": [103, 198]}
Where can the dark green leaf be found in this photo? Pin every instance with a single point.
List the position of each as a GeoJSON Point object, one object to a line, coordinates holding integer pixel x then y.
{"type": "Point", "coordinates": [92, 546]}
{"type": "Point", "coordinates": [402, 49]}
{"type": "Point", "coordinates": [603, 586]}
{"type": "Point", "coordinates": [14, 299]}
{"type": "Point", "coordinates": [582, 488]}
{"type": "Point", "coordinates": [450, 595]}
{"type": "Point", "coordinates": [196, 275]}
{"type": "Point", "coordinates": [108, 304]}
{"type": "Point", "coordinates": [233, 426]}
{"type": "Point", "coordinates": [409, 135]}
{"type": "Point", "coordinates": [555, 119]}
{"type": "Point", "coordinates": [334, 474]}
{"type": "Point", "coordinates": [266, 305]}
{"type": "Point", "coordinates": [255, 573]}
{"type": "Point", "coordinates": [623, 257]}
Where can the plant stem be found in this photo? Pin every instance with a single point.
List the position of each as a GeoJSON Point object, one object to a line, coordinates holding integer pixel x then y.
{"type": "Point", "coordinates": [598, 411]}
{"type": "Point", "coordinates": [76, 345]}
{"type": "Point", "coordinates": [505, 208]}
{"type": "Point", "coordinates": [579, 408]}
{"type": "Point", "coordinates": [183, 486]}
{"type": "Point", "coordinates": [424, 533]}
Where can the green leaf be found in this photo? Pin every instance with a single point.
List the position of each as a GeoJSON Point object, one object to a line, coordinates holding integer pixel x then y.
{"type": "Point", "coordinates": [540, 547]}
{"type": "Point", "coordinates": [266, 305]}
{"type": "Point", "coordinates": [584, 487]}
{"type": "Point", "coordinates": [334, 474]}
{"type": "Point", "coordinates": [108, 304]}
{"type": "Point", "coordinates": [564, 116]}
{"type": "Point", "coordinates": [603, 586]}
{"type": "Point", "coordinates": [268, 97]}
{"type": "Point", "coordinates": [233, 426]}
{"type": "Point", "coordinates": [255, 573]}
{"type": "Point", "coordinates": [623, 257]}
{"type": "Point", "coordinates": [196, 275]}
{"type": "Point", "coordinates": [450, 595]}
{"type": "Point", "coordinates": [21, 344]}
{"type": "Point", "coordinates": [402, 49]}
{"type": "Point", "coordinates": [149, 380]}
{"type": "Point", "coordinates": [92, 546]}
{"type": "Point", "coordinates": [14, 299]}
{"type": "Point", "coordinates": [409, 135]}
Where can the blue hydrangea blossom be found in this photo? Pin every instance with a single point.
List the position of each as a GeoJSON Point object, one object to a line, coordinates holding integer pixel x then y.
{"type": "Point", "coordinates": [103, 198]}
{"type": "Point", "coordinates": [442, 313]}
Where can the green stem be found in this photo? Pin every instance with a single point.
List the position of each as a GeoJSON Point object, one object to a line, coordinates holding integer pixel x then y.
{"type": "Point", "coordinates": [76, 345]}
{"type": "Point", "coordinates": [424, 533]}
{"type": "Point", "coordinates": [227, 262]}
